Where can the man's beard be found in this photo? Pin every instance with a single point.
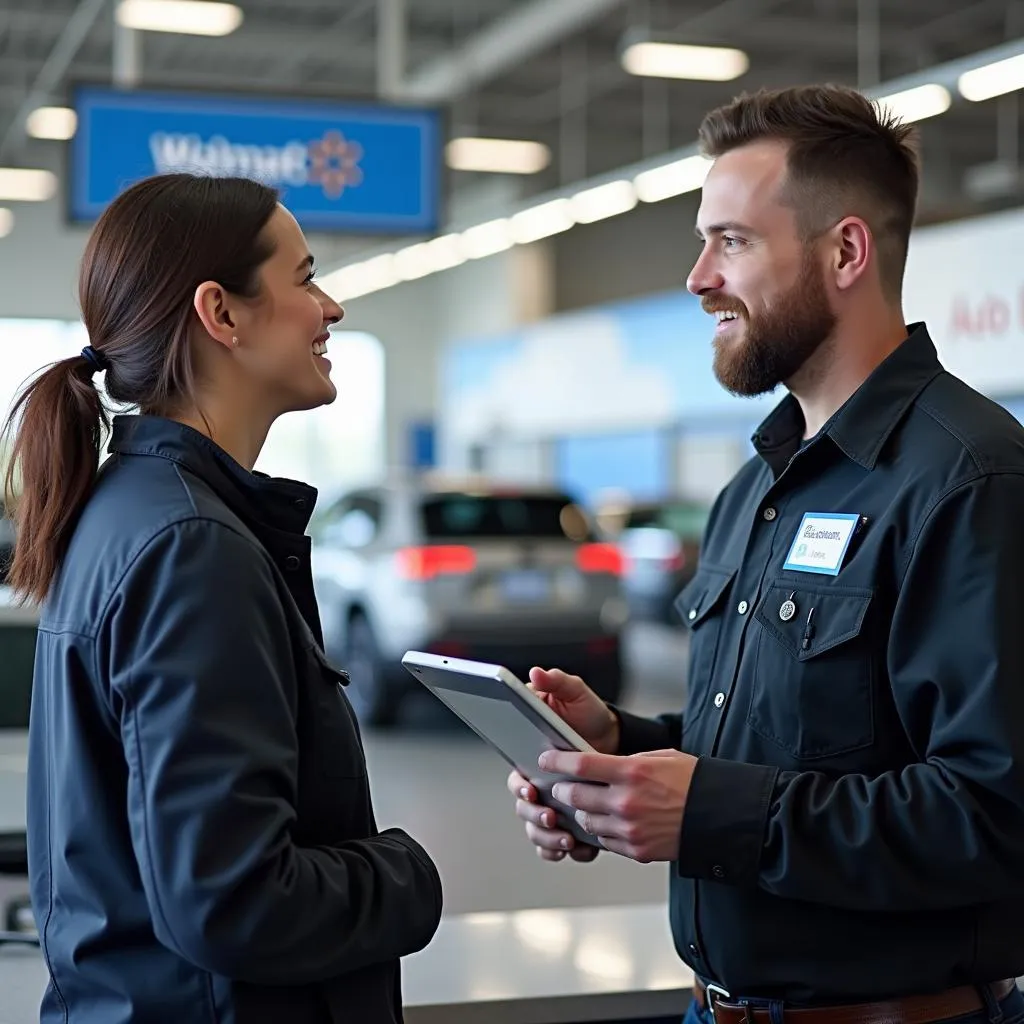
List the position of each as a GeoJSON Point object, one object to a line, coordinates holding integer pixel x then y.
{"type": "Point", "coordinates": [777, 343]}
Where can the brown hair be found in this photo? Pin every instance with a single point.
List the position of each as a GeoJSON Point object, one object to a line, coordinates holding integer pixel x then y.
{"type": "Point", "coordinates": [845, 157]}
{"type": "Point", "coordinates": [149, 251]}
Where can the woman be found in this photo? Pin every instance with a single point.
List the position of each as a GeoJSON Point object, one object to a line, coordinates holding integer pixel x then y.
{"type": "Point", "coordinates": [202, 845]}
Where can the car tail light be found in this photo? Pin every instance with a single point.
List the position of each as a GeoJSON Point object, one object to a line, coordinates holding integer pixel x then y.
{"type": "Point", "coordinates": [676, 562]}
{"type": "Point", "coordinates": [437, 560]}
{"type": "Point", "coordinates": [605, 558]}
{"type": "Point", "coordinates": [450, 649]}
{"type": "Point", "coordinates": [602, 645]}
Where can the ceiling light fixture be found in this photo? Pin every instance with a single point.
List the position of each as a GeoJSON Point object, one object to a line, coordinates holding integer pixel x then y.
{"type": "Point", "coordinates": [21, 184]}
{"type": "Point", "coordinates": [918, 103]}
{"type": "Point", "coordinates": [676, 60]}
{"type": "Point", "coordinates": [686, 175]}
{"type": "Point", "coordinates": [497, 156]}
{"type": "Point", "coordinates": [188, 17]}
{"type": "Point", "coordinates": [59, 123]}
{"type": "Point", "coordinates": [992, 80]}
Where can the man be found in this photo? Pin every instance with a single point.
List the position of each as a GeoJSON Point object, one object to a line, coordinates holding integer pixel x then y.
{"type": "Point", "coordinates": [843, 798]}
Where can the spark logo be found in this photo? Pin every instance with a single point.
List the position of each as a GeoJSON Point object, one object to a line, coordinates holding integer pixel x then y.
{"type": "Point", "coordinates": [332, 162]}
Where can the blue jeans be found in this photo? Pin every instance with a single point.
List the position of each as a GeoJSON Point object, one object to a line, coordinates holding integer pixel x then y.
{"type": "Point", "coordinates": [1009, 1011]}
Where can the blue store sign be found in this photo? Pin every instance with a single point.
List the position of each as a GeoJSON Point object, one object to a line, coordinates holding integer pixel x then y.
{"type": "Point", "coordinates": [340, 167]}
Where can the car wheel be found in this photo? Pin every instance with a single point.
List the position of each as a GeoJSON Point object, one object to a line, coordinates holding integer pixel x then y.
{"type": "Point", "coordinates": [368, 692]}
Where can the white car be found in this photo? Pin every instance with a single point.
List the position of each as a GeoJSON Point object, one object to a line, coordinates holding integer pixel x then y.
{"type": "Point", "coordinates": [515, 576]}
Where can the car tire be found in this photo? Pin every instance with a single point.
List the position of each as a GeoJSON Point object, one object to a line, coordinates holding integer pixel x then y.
{"type": "Point", "coordinates": [368, 692]}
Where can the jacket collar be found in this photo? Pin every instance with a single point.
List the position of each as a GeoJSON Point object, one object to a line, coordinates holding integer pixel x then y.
{"type": "Point", "coordinates": [282, 505]}
{"type": "Point", "coordinates": [866, 420]}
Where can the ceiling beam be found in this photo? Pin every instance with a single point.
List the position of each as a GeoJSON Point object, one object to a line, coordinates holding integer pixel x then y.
{"type": "Point", "coordinates": [76, 28]}
{"type": "Point", "coordinates": [530, 28]}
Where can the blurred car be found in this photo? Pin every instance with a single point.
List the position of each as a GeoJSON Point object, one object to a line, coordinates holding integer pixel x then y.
{"type": "Point", "coordinates": [511, 576]}
{"type": "Point", "coordinates": [660, 543]}
{"type": "Point", "coordinates": [6, 544]}
{"type": "Point", "coordinates": [18, 626]}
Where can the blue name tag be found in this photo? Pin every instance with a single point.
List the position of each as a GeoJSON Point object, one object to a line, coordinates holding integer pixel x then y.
{"type": "Point", "coordinates": [821, 541]}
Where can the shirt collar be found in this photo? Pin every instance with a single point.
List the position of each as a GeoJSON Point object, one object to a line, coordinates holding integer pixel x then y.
{"type": "Point", "coordinates": [866, 420]}
{"type": "Point", "coordinates": [280, 504]}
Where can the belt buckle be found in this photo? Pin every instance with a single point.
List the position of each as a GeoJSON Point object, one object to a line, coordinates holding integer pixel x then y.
{"type": "Point", "coordinates": [713, 990]}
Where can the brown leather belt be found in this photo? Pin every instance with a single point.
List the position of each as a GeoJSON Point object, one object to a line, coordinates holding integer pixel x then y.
{"type": "Point", "coordinates": [954, 1002]}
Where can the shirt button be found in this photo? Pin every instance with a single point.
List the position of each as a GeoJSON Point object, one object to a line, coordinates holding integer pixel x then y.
{"type": "Point", "coordinates": [769, 514]}
{"type": "Point", "coordinates": [301, 503]}
{"type": "Point", "coordinates": [693, 950]}
{"type": "Point", "coordinates": [719, 699]}
{"type": "Point", "coordinates": [718, 871]}
{"type": "Point", "coordinates": [292, 563]}
{"type": "Point", "coordinates": [693, 614]}
{"type": "Point", "coordinates": [742, 607]}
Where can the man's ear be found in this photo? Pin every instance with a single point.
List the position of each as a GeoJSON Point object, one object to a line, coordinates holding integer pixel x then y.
{"type": "Point", "coordinates": [854, 249]}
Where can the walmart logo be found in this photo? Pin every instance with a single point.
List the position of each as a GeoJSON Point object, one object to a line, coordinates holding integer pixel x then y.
{"type": "Point", "coordinates": [331, 162]}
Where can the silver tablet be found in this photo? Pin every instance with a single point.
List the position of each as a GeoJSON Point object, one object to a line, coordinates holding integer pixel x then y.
{"type": "Point", "coordinates": [508, 716]}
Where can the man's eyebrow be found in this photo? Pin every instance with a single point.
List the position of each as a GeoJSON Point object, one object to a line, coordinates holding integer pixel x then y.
{"type": "Point", "coordinates": [725, 228]}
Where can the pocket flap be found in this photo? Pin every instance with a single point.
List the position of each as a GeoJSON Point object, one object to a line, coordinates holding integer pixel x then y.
{"type": "Point", "coordinates": [339, 675]}
{"type": "Point", "coordinates": [701, 595]}
{"type": "Point", "coordinates": [809, 622]}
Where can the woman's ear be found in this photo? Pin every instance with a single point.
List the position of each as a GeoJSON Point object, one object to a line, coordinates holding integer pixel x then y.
{"type": "Point", "coordinates": [212, 306]}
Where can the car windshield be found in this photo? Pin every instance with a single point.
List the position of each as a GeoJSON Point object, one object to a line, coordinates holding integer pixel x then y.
{"type": "Point", "coordinates": [468, 516]}
{"type": "Point", "coordinates": [684, 520]}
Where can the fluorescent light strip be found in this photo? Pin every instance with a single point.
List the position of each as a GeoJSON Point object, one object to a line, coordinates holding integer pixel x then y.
{"type": "Point", "coordinates": [526, 226]}
{"type": "Point", "coordinates": [19, 184]}
{"type": "Point", "coordinates": [189, 17]}
{"type": "Point", "coordinates": [603, 201]}
{"type": "Point", "coordinates": [59, 123]}
{"type": "Point", "coordinates": [686, 175]}
{"type": "Point", "coordinates": [918, 103]}
{"type": "Point", "coordinates": [692, 63]}
{"type": "Point", "coordinates": [992, 80]}
{"type": "Point", "coordinates": [541, 221]}
{"type": "Point", "coordinates": [487, 239]}
{"type": "Point", "coordinates": [497, 156]}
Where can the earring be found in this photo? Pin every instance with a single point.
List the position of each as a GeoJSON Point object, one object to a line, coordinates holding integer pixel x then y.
{"type": "Point", "coordinates": [234, 341]}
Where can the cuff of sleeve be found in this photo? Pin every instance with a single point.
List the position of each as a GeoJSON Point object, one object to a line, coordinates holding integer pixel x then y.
{"type": "Point", "coordinates": [725, 820]}
{"type": "Point", "coordinates": [638, 735]}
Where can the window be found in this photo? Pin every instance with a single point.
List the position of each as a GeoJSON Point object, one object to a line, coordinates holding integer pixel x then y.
{"type": "Point", "coordinates": [340, 445]}
{"type": "Point", "coordinates": [468, 516]}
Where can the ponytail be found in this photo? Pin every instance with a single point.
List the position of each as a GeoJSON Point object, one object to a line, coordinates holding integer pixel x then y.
{"type": "Point", "coordinates": [57, 424]}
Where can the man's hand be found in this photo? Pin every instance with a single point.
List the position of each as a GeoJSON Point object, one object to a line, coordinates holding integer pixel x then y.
{"type": "Point", "coordinates": [638, 813]}
{"type": "Point", "coordinates": [572, 700]}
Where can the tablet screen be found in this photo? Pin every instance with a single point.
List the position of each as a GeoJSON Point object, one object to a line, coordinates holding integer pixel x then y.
{"type": "Point", "coordinates": [501, 722]}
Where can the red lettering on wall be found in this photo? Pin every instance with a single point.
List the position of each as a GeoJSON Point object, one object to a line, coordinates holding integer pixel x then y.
{"type": "Point", "coordinates": [986, 317]}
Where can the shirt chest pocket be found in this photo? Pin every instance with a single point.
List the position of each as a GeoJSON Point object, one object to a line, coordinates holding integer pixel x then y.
{"type": "Point", "coordinates": [701, 606]}
{"type": "Point", "coordinates": [813, 686]}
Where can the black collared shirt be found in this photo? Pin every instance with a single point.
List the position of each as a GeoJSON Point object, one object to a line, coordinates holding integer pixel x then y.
{"type": "Point", "coordinates": [855, 827]}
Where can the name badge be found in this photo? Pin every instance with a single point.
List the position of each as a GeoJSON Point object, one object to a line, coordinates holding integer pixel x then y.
{"type": "Point", "coordinates": [821, 542]}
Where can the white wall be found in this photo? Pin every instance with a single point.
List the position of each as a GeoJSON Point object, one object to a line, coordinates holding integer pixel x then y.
{"type": "Point", "coordinates": [966, 281]}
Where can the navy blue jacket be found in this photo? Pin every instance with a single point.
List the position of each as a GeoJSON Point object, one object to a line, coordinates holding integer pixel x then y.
{"type": "Point", "coordinates": [202, 845]}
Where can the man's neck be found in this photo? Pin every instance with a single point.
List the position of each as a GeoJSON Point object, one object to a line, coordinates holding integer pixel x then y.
{"type": "Point", "coordinates": [829, 378]}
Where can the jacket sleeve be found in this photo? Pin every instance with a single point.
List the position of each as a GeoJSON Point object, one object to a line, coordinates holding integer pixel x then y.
{"type": "Point", "coordinates": [946, 831]}
{"type": "Point", "coordinates": [201, 667]}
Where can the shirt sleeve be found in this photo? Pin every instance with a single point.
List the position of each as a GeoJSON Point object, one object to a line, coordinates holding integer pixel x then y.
{"type": "Point", "coordinates": [637, 735]}
{"type": "Point", "coordinates": [948, 830]}
{"type": "Point", "coordinates": [202, 670]}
